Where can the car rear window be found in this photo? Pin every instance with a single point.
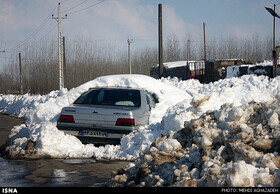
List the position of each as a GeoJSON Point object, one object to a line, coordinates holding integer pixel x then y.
{"type": "Point", "coordinates": [111, 97]}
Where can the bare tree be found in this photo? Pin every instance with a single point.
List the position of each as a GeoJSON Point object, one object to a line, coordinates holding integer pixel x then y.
{"type": "Point", "coordinates": [172, 48]}
{"type": "Point", "coordinates": [88, 59]}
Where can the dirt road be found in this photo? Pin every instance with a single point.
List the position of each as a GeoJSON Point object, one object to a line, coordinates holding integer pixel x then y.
{"type": "Point", "coordinates": [52, 172]}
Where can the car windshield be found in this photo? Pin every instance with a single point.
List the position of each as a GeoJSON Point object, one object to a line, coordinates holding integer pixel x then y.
{"type": "Point", "coordinates": [111, 97]}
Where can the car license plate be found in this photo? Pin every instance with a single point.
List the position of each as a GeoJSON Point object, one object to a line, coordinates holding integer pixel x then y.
{"type": "Point", "coordinates": [93, 133]}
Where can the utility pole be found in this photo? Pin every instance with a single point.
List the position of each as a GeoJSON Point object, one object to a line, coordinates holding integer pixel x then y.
{"type": "Point", "coordinates": [273, 50]}
{"type": "Point", "coordinates": [160, 47]}
{"type": "Point", "coordinates": [64, 61]}
{"type": "Point", "coordinates": [188, 59]}
{"type": "Point", "coordinates": [204, 41]}
{"type": "Point", "coordinates": [20, 74]}
{"type": "Point", "coordinates": [188, 49]}
{"type": "Point", "coordinates": [60, 58]}
{"type": "Point", "coordinates": [274, 14]}
{"type": "Point", "coordinates": [129, 56]}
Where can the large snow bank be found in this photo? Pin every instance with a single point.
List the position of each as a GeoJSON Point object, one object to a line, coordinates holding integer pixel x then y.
{"type": "Point", "coordinates": [233, 146]}
{"type": "Point", "coordinates": [40, 137]}
{"type": "Point", "coordinates": [224, 133]}
{"type": "Point", "coordinates": [179, 101]}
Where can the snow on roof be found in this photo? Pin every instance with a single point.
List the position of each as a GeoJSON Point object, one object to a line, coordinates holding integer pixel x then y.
{"type": "Point", "coordinates": [265, 63]}
{"type": "Point", "coordinates": [174, 64]}
{"type": "Point", "coordinates": [237, 59]}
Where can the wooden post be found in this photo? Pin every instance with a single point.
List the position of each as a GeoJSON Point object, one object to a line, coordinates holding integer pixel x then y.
{"type": "Point", "coordinates": [160, 47]}
{"type": "Point", "coordinates": [20, 74]}
{"type": "Point", "coordinates": [204, 42]}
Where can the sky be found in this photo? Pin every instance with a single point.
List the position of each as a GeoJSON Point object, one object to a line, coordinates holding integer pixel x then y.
{"type": "Point", "coordinates": [25, 21]}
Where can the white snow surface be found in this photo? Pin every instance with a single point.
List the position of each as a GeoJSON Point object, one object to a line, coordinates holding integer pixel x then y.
{"type": "Point", "coordinates": [179, 101]}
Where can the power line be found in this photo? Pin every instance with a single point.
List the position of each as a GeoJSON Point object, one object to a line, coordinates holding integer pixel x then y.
{"type": "Point", "coordinates": [31, 35]}
{"type": "Point", "coordinates": [35, 31]}
{"type": "Point", "coordinates": [64, 1]}
{"type": "Point", "coordinates": [46, 33]}
{"type": "Point", "coordinates": [45, 21]}
{"type": "Point", "coordinates": [86, 7]}
{"type": "Point", "coordinates": [39, 40]}
{"type": "Point", "coordinates": [75, 6]}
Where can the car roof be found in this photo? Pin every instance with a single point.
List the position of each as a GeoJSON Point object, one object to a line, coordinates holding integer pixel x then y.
{"type": "Point", "coordinates": [115, 87]}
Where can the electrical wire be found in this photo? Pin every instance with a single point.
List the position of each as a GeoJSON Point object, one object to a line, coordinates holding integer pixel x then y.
{"type": "Point", "coordinates": [74, 6]}
{"type": "Point", "coordinates": [47, 33]}
{"type": "Point", "coordinates": [34, 32]}
{"type": "Point", "coordinates": [86, 7]}
{"type": "Point", "coordinates": [64, 1]}
{"type": "Point", "coordinates": [276, 9]}
{"type": "Point", "coordinates": [40, 27]}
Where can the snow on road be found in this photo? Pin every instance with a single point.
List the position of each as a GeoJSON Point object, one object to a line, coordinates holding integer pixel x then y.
{"type": "Point", "coordinates": [179, 102]}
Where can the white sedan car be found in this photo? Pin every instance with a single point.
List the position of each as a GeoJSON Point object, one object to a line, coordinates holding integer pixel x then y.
{"type": "Point", "coordinates": [104, 115]}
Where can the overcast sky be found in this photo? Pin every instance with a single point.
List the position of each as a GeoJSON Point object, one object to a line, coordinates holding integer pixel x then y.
{"type": "Point", "coordinates": [22, 21]}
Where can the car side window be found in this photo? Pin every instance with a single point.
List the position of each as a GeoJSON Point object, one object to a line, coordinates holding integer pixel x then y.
{"type": "Point", "coordinates": [100, 96]}
{"type": "Point", "coordinates": [148, 102]}
{"type": "Point", "coordinates": [151, 99]}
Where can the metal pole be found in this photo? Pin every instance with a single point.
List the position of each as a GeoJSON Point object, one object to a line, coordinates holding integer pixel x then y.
{"type": "Point", "coordinates": [160, 46]}
{"type": "Point", "coordinates": [274, 29]}
{"type": "Point", "coordinates": [274, 14]}
{"type": "Point", "coordinates": [273, 49]}
{"type": "Point", "coordinates": [60, 57]}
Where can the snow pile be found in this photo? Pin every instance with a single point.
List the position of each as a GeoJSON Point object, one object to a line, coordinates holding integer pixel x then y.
{"type": "Point", "coordinates": [40, 132]}
{"type": "Point", "coordinates": [233, 146]}
{"type": "Point", "coordinates": [22, 105]}
{"type": "Point", "coordinates": [224, 133]}
{"type": "Point", "coordinates": [236, 91]}
{"type": "Point", "coordinates": [179, 101]}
